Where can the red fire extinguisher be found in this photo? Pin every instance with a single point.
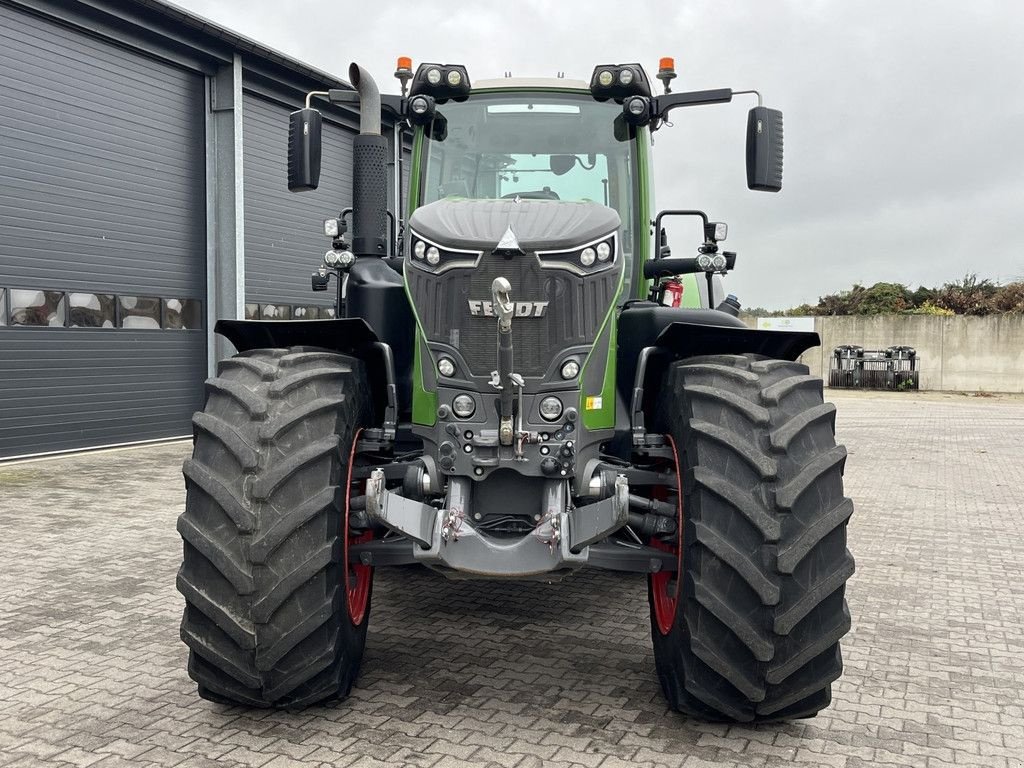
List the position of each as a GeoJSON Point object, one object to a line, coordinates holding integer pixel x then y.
{"type": "Point", "coordinates": [672, 293]}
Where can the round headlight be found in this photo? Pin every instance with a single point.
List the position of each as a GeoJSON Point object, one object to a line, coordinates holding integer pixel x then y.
{"type": "Point", "coordinates": [433, 76]}
{"type": "Point", "coordinates": [445, 366]}
{"type": "Point", "coordinates": [463, 406]}
{"type": "Point", "coordinates": [718, 262]}
{"type": "Point", "coordinates": [433, 256]}
{"type": "Point", "coordinates": [570, 369]}
{"type": "Point", "coordinates": [419, 104]}
{"type": "Point", "coordinates": [332, 258]}
{"type": "Point", "coordinates": [550, 408]}
{"type": "Point", "coordinates": [418, 249]}
{"type": "Point", "coordinates": [605, 78]}
{"type": "Point", "coordinates": [704, 262]}
{"type": "Point", "coordinates": [587, 257]}
{"type": "Point", "coordinates": [603, 251]}
{"type": "Point", "coordinates": [454, 77]}
{"type": "Point", "coordinates": [626, 76]}
{"type": "Point", "coordinates": [637, 105]}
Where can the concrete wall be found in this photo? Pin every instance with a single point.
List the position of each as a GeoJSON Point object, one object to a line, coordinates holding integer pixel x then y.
{"type": "Point", "coordinates": [967, 354]}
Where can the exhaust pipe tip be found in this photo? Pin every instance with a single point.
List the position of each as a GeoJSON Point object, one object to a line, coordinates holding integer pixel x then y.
{"type": "Point", "coordinates": [369, 99]}
{"type": "Point", "coordinates": [354, 71]}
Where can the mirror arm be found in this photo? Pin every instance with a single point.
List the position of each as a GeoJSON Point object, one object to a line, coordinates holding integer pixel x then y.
{"type": "Point", "coordinates": [667, 102]}
{"type": "Point", "coordinates": [311, 94]}
{"type": "Point", "coordinates": [390, 103]}
{"type": "Point", "coordinates": [751, 90]}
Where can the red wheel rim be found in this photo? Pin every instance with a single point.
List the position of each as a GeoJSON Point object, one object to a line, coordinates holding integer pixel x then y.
{"type": "Point", "coordinates": [357, 576]}
{"type": "Point", "coordinates": [664, 596]}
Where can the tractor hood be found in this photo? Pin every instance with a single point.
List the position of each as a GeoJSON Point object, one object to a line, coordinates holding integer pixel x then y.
{"type": "Point", "coordinates": [548, 225]}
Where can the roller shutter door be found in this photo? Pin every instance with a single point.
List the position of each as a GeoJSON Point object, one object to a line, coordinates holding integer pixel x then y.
{"type": "Point", "coordinates": [102, 241]}
{"type": "Point", "coordinates": [284, 239]}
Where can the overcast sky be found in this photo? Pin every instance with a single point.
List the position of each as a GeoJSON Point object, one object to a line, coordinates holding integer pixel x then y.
{"type": "Point", "coordinates": [904, 121]}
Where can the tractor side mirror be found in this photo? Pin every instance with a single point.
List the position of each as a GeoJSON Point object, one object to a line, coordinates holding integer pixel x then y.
{"type": "Point", "coordinates": [304, 147]}
{"type": "Point", "coordinates": [764, 149]}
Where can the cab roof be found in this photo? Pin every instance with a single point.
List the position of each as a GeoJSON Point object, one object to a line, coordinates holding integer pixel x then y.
{"type": "Point", "coordinates": [530, 83]}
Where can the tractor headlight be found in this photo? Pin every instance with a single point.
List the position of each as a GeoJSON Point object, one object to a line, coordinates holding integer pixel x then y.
{"type": "Point", "coordinates": [584, 259]}
{"type": "Point", "coordinates": [637, 110]}
{"type": "Point", "coordinates": [446, 367]}
{"type": "Point", "coordinates": [463, 406]}
{"type": "Point", "coordinates": [619, 81]}
{"type": "Point", "coordinates": [437, 258]}
{"type": "Point", "coordinates": [440, 82]}
{"type": "Point", "coordinates": [550, 408]}
{"type": "Point", "coordinates": [331, 228]}
{"type": "Point", "coordinates": [570, 369]}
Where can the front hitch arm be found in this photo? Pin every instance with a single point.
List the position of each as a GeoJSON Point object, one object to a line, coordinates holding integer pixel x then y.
{"type": "Point", "coordinates": [504, 308]}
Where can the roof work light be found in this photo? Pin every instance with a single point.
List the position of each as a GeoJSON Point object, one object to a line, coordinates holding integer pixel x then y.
{"type": "Point", "coordinates": [617, 81]}
{"type": "Point", "coordinates": [441, 81]}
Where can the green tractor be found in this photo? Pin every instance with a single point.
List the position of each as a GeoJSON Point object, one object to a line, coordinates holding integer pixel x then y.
{"type": "Point", "coordinates": [521, 381]}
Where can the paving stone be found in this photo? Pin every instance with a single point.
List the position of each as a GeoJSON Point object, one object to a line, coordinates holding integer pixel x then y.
{"type": "Point", "coordinates": [500, 675]}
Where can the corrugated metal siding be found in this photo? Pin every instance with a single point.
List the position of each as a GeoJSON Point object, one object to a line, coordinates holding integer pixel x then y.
{"type": "Point", "coordinates": [76, 388]}
{"type": "Point", "coordinates": [101, 160]}
{"type": "Point", "coordinates": [102, 156]}
{"type": "Point", "coordinates": [284, 239]}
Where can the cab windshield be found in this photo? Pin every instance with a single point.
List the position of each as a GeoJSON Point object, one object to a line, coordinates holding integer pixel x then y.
{"type": "Point", "coordinates": [534, 145]}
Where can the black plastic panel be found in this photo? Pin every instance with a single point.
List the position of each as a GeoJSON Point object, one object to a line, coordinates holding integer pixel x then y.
{"type": "Point", "coordinates": [576, 307]}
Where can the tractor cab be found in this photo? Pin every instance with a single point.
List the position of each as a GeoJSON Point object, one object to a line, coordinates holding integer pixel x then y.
{"type": "Point", "coordinates": [540, 140]}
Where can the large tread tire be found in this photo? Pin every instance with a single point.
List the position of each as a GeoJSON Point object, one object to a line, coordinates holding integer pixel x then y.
{"type": "Point", "coordinates": [266, 617]}
{"type": "Point", "coordinates": [755, 636]}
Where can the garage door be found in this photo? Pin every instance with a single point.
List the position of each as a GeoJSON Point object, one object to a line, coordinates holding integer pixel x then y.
{"type": "Point", "coordinates": [284, 239]}
{"type": "Point", "coordinates": [102, 241]}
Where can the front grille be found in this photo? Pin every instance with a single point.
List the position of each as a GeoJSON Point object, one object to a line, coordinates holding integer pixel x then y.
{"type": "Point", "coordinates": [576, 307]}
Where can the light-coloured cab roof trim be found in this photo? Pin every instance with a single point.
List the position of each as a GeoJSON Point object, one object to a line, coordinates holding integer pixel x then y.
{"type": "Point", "coordinates": [523, 83]}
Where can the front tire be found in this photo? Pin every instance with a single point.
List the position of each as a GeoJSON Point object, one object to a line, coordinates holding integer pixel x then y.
{"type": "Point", "coordinates": [274, 615]}
{"type": "Point", "coordinates": [750, 632]}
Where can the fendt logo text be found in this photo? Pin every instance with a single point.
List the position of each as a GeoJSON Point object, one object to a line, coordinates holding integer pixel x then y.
{"type": "Point", "coordinates": [523, 308]}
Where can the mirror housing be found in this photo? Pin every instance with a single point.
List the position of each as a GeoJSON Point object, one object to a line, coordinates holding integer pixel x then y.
{"type": "Point", "coordinates": [305, 143]}
{"type": "Point", "coordinates": [764, 149]}
{"type": "Point", "coordinates": [561, 164]}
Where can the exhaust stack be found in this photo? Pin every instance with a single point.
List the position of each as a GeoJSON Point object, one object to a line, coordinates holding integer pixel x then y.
{"type": "Point", "coordinates": [369, 170]}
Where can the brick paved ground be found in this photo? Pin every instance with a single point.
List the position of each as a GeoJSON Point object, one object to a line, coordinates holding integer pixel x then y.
{"type": "Point", "coordinates": [92, 672]}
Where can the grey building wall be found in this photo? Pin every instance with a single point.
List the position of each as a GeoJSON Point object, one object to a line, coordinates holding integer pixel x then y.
{"type": "Point", "coordinates": [142, 197]}
{"type": "Point", "coordinates": [102, 216]}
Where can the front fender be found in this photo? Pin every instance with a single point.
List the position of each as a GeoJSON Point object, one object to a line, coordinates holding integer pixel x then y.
{"type": "Point", "coordinates": [347, 335]}
{"type": "Point", "coordinates": [683, 339]}
{"type": "Point", "coordinates": [675, 333]}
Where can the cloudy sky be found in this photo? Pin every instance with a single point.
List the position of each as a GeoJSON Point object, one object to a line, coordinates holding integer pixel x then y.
{"type": "Point", "coordinates": [904, 120]}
